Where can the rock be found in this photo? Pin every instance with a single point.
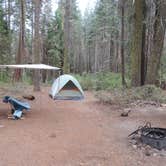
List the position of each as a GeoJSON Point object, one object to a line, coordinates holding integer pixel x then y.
{"type": "Point", "coordinates": [127, 109]}
{"type": "Point", "coordinates": [134, 146]}
{"type": "Point", "coordinates": [125, 113]}
{"type": "Point", "coordinates": [148, 151]}
{"type": "Point", "coordinates": [163, 105]}
{"type": "Point", "coordinates": [28, 97]}
{"type": "Point", "coordinates": [154, 154]}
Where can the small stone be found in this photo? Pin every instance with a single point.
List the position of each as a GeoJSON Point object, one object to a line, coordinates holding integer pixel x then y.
{"type": "Point", "coordinates": [148, 147]}
{"type": "Point", "coordinates": [127, 109]}
{"type": "Point", "coordinates": [148, 151]}
{"type": "Point", "coordinates": [154, 154]}
{"type": "Point", "coordinates": [134, 146]}
{"type": "Point", "coordinates": [163, 105]}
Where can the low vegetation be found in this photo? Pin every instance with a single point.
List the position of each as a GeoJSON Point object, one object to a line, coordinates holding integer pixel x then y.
{"type": "Point", "coordinates": [100, 81]}
{"type": "Point", "coordinates": [109, 89]}
{"type": "Point", "coordinates": [130, 95]}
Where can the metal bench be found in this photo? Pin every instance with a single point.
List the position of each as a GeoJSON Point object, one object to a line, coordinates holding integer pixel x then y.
{"type": "Point", "coordinates": [17, 106]}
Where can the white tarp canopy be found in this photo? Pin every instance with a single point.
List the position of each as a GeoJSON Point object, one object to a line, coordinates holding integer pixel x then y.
{"type": "Point", "coordinates": [31, 66]}
{"type": "Point", "coordinates": [66, 87]}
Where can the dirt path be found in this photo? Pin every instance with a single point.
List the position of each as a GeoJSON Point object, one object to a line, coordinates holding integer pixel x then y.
{"type": "Point", "coordinates": [74, 133]}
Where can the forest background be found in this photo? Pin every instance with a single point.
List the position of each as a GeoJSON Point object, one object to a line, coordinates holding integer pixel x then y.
{"type": "Point", "coordinates": [119, 43]}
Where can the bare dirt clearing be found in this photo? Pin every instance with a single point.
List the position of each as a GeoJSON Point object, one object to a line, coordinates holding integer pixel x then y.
{"type": "Point", "coordinates": [75, 133]}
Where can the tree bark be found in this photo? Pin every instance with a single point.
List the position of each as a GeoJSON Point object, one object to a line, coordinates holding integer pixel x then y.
{"type": "Point", "coordinates": [67, 17]}
{"type": "Point", "coordinates": [122, 46]}
{"type": "Point", "coordinates": [36, 46]}
{"type": "Point", "coordinates": [144, 53]}
{"type": "Point", "coordinates": [158, 42]}
{"type": "Point", "coordinates": [136, 45]}
{"type": "Point", "coordinates": [21, 44]}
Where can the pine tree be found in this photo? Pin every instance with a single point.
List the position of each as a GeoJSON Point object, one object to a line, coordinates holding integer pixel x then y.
{"type": "Point", "coordinates": [136, 45]}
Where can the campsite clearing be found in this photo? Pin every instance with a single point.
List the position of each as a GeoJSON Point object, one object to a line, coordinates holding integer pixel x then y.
{"type": "Point", "coordinates": [75, 133]}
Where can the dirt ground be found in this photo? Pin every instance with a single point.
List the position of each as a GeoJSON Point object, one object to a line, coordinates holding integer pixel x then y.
{"type": "Point", "coordinates": [75, 133]}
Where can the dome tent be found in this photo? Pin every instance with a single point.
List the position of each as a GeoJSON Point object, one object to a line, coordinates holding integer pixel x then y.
{"type": "Point", "coordinates": [66, 87]}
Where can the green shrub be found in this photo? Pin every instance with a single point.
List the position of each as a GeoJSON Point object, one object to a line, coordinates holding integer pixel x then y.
{"type": "Point", "coordinates": [4, 77]}
{"type": "Point", "coordinates": [86, 81]}
{"type": "Point", "coordinates": [100, 81]}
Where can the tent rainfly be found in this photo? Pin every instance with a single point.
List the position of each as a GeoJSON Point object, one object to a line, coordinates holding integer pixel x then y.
{"type": "Point", "coordinates": [66, 87]}
{"type": "Point", "coordinates": [30, 66]}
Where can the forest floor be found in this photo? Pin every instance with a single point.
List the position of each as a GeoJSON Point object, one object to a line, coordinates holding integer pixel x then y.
{"type": "Point", "coordinates": [76, 133]}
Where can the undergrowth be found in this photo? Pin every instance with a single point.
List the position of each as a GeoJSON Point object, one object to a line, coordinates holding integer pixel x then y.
{"type": "Point", "coordinates": [127, 96]}
{"type": "Point", "coordinates": [100, 81]}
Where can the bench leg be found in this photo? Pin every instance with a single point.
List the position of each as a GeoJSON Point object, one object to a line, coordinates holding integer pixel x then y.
{"type": "Point", "coordinates": [17, 114]}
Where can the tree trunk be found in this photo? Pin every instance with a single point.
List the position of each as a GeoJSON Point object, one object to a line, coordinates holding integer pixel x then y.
{"type": "Point", "coordinates": [9, 14]}
{"type": "Point", "coordinates": [117, 59]}
{"type": "Point", "coordinates": [136, 45]}
{"type": "Point", "coordinates": [122, 46]}
{"type": "Point", "coordinates": [67, 19]}
{"type": "Point", "coordinates": [21, 44]}
{"type": "Point", "coordinates": [36, 46]}
{"type": "Point", "coordinates": [144, 53]}
{"type": "Point", "coordinates": [158, 42]}
{"type": "Point", "coordinates": [111, 54]}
